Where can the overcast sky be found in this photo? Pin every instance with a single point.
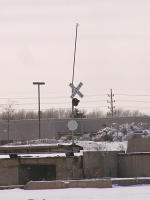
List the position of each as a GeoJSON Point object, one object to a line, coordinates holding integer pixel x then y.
{"type": "Point", "coordinates": [113, 49]}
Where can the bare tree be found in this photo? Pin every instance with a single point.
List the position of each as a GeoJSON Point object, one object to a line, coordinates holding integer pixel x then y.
{"type": "Point", "coordinates": [126, 113]}
{"type": "Point", "coordinates": [95, 114]}
{"type": "Point", "coordinates": [7, 114]}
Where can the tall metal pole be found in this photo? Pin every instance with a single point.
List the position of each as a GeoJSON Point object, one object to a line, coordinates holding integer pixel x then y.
{"type": "Point", "coordinates": [39, 109]}
{"type": "Point", "coordinates": [74, 62]}
{"type": "Point", "coordinates": [8, 123]}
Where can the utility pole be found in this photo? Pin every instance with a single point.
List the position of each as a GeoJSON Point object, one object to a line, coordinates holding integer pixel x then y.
{"type": "Point", "coordinates": [8, 123]}
{"type": "Point", "coordinates": [74, 62]}
{"type": "Point", "coordinates": [111, 102]}
{"type": "Point", "coordinates": [39, 110]}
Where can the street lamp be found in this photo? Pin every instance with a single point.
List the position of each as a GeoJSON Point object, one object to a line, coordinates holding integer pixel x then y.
{"type": "Point", "coordinates": [39, 111]}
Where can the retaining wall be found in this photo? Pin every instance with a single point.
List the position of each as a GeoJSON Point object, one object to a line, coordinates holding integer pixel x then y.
{"type": "Point", "coordinates": [138, 145]}
{"type": "Point", "coordinates": [134, 165]}
{"type": "Point", "coordinates": [53, 128]}
{"type": "Point", "coordinates": [35, 185]}
{"type": "Point", "coordinates": [98, 164]}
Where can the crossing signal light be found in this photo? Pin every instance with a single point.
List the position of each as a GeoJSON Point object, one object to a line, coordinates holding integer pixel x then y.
{"type": "Point", "coordinates": [75, 101]}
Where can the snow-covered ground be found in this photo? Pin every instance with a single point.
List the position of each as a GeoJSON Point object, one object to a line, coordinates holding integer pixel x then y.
{"type": "Point", "coordinates": [116, 193]}
{"type": "Point", "coordinates": [87, 145]}
{"type": "Point", "coordinates": [103, 146]}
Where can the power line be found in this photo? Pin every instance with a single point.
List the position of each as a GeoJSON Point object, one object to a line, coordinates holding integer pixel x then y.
{"type": "Point", "coordinates": [61, 97]}
{"type": "Point", "coordinates": [63, 108]}
{"type": "Point", "coordinates": [138, 101]}
{"type": "Point", "coordinates": [132, 89]}
{"type": "Point", "coordinates": [49, 103]}
{"type": "Point", "coordinates": [95, 99]}
{"type": "Point", "coordinates": [49, 97]}
{"type": "Point", "coordinates": [128, 106]}
{"type": "Point", "coordinates": [135, 95]}
{"type": "Point", "coordinates": [95, 95]}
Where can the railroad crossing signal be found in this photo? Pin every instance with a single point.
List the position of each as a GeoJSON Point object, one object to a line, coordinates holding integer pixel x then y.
{"type": "Point", "coordinates": [75, 101]}
{"type": "Point", "coordinates": [76, 90]}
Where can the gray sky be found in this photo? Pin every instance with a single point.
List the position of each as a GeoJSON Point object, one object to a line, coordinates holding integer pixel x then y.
{"type": "Point", "coordinates": [37, 43]}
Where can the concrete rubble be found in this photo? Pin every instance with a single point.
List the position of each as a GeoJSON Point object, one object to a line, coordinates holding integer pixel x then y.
{"type": "Point", "coordinates": [123, 132]}
{"type": "Point", "coordinates": [115, 132]}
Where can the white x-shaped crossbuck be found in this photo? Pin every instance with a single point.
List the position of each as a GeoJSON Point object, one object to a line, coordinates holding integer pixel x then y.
{"type": "Point", "coordinates": [76, 90]}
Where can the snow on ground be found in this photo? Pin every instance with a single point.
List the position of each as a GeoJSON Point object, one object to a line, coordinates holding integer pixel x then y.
{"type": "Point", "coordinates": [87, 145]}
{"type": "Point", "coordinates": [40, 155]}
{"type": "Point", "coordinates": [116, 193]}
{"type": "Point", "coordinates": [103, 146]}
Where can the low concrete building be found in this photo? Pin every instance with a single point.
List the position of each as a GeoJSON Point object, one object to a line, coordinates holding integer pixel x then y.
{"type": "Point", "coordinates": [18, 171]}
{"type": "Point", "coordinates": [60, 166]}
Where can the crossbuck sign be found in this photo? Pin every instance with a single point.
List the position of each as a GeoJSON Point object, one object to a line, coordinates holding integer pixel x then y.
{"type": "Point", "coordinates": [76, 90]}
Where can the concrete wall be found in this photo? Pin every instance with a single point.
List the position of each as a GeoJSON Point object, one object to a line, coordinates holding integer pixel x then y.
{"type": "Point", "coordinates": [98, 164]}
{"type": "Point", "coordinates": [139, 145]}
{"type": "Point", "coordinates": [51, 128]}
{"type": "Point", "coordinates": [66, 168]}
{"type": "Point", "coordinates": [8, 172]}
{"type": "Point", "coordinates": [134, 165]}
{"type": "Point", "coordinates": [93, 164]}
{"type": "Point", "coordinates": [114, 164]}
{"type": "Point", "coordinates": [34, 185]}
{"type": "Point", "coordinates": [28, 129]}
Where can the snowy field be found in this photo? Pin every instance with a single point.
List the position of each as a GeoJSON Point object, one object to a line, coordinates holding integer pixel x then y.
{"type": "Point", "coordinates": [117, 193]}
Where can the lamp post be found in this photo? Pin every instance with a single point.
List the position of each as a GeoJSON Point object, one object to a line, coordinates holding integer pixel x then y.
{"type": "Point", "coordinates": [39, 111]}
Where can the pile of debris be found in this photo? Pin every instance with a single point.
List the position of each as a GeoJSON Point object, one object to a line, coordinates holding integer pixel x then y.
{"type": "Point", "coordinates": [115, 132]}
{"type": "Point", "coordinates": [123, 132]}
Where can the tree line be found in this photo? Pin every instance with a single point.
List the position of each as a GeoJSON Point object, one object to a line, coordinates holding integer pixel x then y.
{"type": "Point", "coordinates": [12, 114]}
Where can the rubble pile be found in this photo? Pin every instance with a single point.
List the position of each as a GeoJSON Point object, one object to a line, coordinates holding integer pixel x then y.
{"type": "Point", "coordinates": [115, 132]}
{"type": "Point", "coordinates": [123, 132]}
